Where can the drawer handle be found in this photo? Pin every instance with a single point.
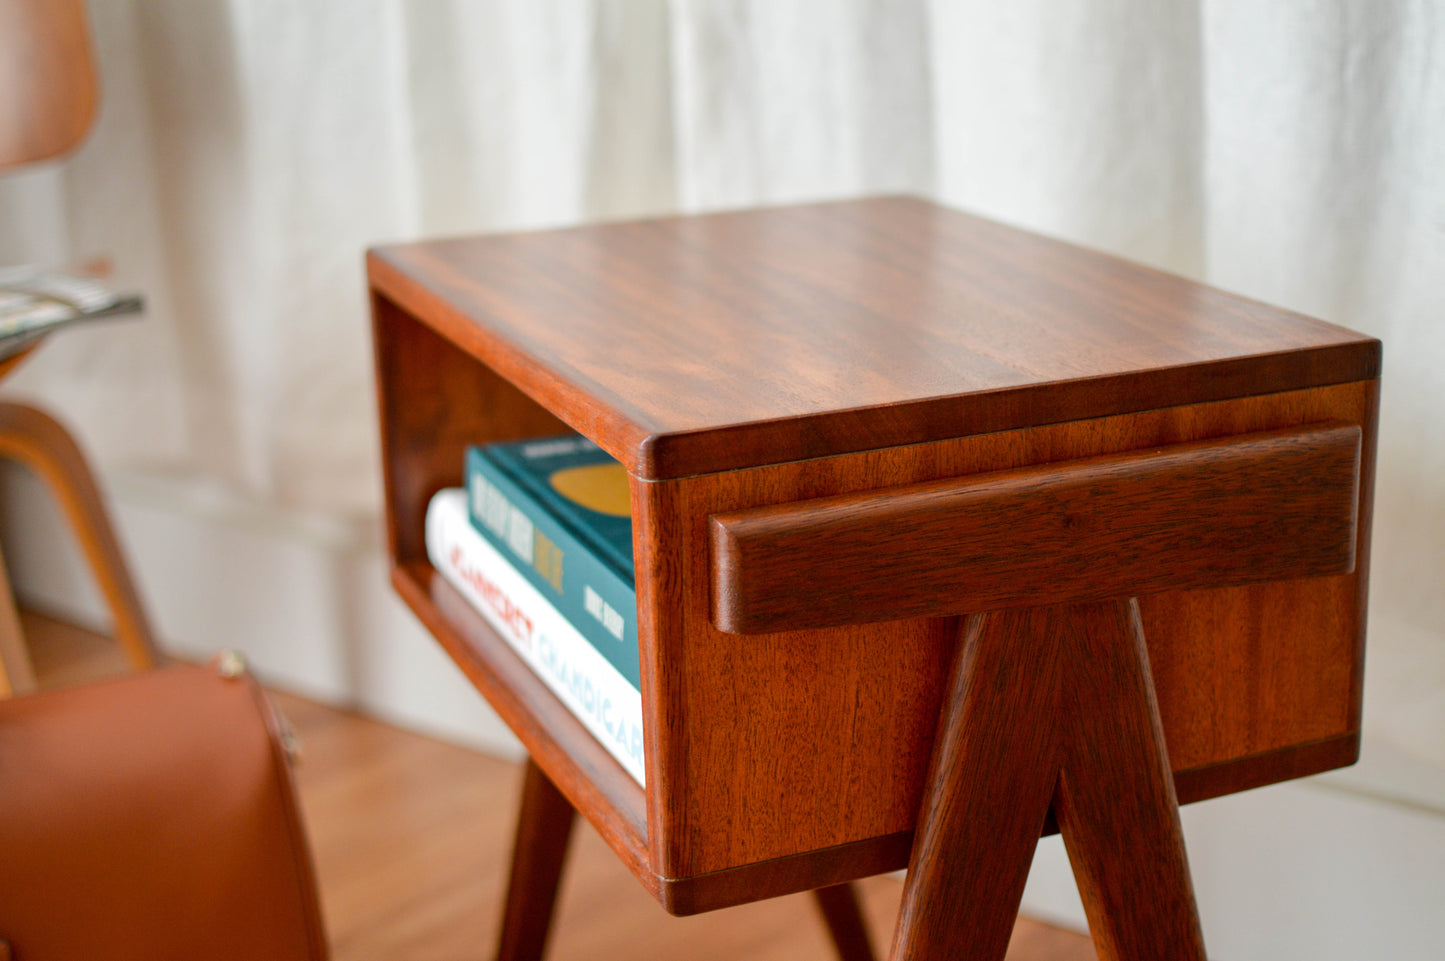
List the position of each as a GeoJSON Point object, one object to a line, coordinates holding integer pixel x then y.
{"type": "Point", "coordinates": [1238, 510]}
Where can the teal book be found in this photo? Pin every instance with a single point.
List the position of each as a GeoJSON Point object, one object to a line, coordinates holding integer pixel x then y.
{"type": "Point", "coordinates": [558, 508]}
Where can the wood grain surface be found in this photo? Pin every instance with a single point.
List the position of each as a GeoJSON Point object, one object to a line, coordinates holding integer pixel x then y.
{"type": "Point", "coordinates": [47, 79]}
{"type": "Point", "coordinates": [539, 852]}
{"type": "Point", "coordinates": [590, 778]}
{"type": "Point", "coordinates": [990, 784]}
{"type": "Point", "coordinates": [1216, 513]}
{"type": "Point", "coordinates": [739, 362]}
{"type": "Point", "coordinates": [1050, 707]}
{"type": "Point", "coordinates": [434, 400]}
{"type": "Point", "coordinates": [697, 344]}
{"type": "Point", "coordinates": [1114, 802]}
{"type": "Point", "coordinates": [1256, 683]}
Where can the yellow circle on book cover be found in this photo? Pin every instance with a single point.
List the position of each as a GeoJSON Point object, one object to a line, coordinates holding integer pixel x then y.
{"type": "Point", "coordinates": [597, 487]}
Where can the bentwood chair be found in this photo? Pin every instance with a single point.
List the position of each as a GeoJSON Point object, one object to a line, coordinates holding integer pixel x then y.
{"type": "Point", "coordinates": [48, 98]}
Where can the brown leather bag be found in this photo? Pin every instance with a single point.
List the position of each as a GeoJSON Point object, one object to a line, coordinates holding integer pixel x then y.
{"type": "Point", "coordinates": [152, 817]}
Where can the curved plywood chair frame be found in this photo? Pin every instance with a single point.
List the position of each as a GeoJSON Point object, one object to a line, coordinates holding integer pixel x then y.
{"type": "Point", "coordinates": [48, 96]}
{"type": "Point", "coordinates": [48, 89]}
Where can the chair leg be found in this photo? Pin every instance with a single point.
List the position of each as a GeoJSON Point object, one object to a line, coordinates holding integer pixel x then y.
{"type": "Point", "coordinates": [846, 925]}
{"type": "Point", "coordinates": [16, 674]}
{"type": "Point", "coordinates": [38, 441]}
{"type": "Point", "coordinates": [544, 828]}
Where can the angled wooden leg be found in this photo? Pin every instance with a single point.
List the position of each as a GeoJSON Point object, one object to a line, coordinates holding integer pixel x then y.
{"type": "Point", "coordinates": [1050, 706]}
{"type": "Point", "coordinates": [39, 442]}
{"type": "Point", "coordinates": [1115, 803]}
{"type": "Point", "coordinates": [846, 926]}
{"type": "Point", "coordinates": [544, 827]}
{"type": "Point", "coordinates": [988, 790]}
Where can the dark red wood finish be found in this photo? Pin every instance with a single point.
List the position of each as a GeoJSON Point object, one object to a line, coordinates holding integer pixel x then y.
{"type": "Point", "coordinates": [539, 854]}
{"type": "Point", "coordinates": [1256, 683]}
{"type": "Point", "coordinates": [698, 344]}
{"type": "Point", "coordinates": [435, 400]}
{"type": "Point", "coordinates": [754, 365]}
{"type": "Point", "coordinates": [846, 926]}
{"type": "Point", "coordinates": [1114, 802]}
{"type": "Point", "coordinates": [1050, 706]}
{"type": "Point", "coordinates": [544, 828]}
{"type": "Point", "coordinates": [591, 780]}
{"type": "Point", "coordinates": [1239, 510]}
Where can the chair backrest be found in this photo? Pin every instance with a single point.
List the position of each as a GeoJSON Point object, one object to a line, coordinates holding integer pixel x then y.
{"type": "Point", "coordinates": [48, 88]}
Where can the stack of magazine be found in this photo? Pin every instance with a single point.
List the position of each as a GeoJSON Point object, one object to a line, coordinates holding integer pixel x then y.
{"type": "Point", "coordinates": [540, 542]}
{"type": "Point", "coordinates": [34, 302]}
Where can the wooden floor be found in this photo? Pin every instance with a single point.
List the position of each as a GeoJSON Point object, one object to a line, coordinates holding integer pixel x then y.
{"type": "Point", "coordinates": [412, 837]}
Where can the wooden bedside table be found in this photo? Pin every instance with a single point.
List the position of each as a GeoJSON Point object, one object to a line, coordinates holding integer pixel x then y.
{"type": "Point", "coordinates": [943, 531]}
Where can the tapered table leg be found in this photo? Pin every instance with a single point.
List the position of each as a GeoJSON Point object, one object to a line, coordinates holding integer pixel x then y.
{"type": "Point", "coordinates": [989, 787]}
{"type": "Point", "coordinates": [1050, 706]}
{"type": "Point", "coordinates": [1115, 800]}
{"type": "Point", "coordinates": [844, 917]}
{"type": "Point", "coordinates": [544, 827]}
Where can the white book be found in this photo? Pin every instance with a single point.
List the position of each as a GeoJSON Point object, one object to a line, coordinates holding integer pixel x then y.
{"type": "Point", "coordinates": [592, 689]}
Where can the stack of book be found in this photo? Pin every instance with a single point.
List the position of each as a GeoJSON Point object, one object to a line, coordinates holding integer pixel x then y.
{"type": "Point", "coordinates": [540, 542]}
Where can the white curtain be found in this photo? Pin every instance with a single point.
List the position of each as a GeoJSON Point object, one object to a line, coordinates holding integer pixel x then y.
{"type": "Point", "coordinates": [249, 150]}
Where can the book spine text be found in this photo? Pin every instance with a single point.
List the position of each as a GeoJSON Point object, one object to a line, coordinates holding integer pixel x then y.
{"type": "Point", "coordinates": [588, 591]}
{"type": "Point", "coordinates": [606, 703]}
